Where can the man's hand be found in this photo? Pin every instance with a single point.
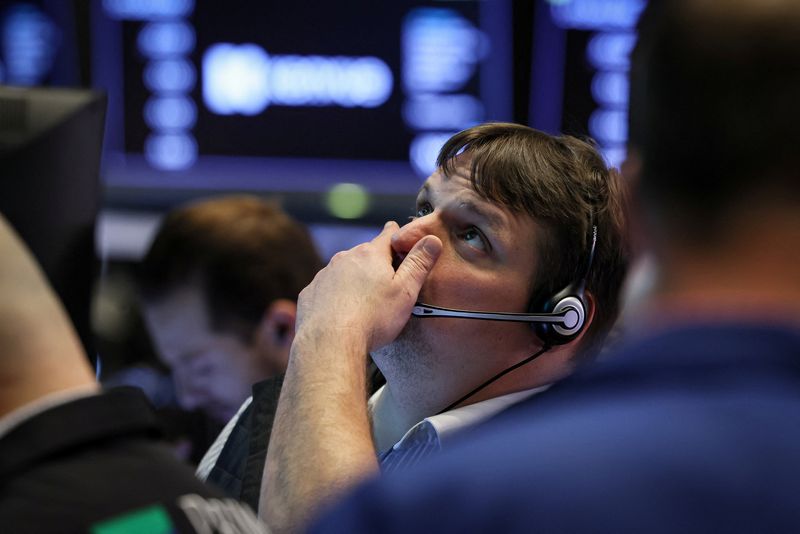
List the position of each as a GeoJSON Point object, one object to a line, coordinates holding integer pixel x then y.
{"type": "Point", "coordinates": [360, 293]}
{"type": "Point", "coordinates": [321, 443]}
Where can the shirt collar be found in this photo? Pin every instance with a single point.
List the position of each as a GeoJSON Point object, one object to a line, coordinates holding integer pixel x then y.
{"type": "Point", "coordinates": [445, 424]}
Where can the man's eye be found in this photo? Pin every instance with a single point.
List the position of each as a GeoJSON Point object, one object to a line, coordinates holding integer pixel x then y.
{"type": "Point", "coordinates": [474, 238]}
{"type": "Point", "coordinates": [423, 210]}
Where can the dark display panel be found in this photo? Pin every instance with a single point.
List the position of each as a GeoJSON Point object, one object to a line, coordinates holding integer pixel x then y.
{"type": "Point", "coordinates": [302, 96]}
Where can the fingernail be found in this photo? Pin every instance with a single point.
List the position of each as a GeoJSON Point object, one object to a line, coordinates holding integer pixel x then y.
{"type": "Point", "coordinates": [429, 247]}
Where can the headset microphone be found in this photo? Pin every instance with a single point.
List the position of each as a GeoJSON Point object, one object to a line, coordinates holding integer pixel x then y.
{"type": "Point", "coordinates": [566, 318]}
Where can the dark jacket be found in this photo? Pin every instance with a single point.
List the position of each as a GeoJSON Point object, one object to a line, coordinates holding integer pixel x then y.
{"type": "Point", "coordinates": [240, 465]}
{"type": "Point", "coordinates": [696, 429]}
{"type": "Point", "coordinates": [94, 465]}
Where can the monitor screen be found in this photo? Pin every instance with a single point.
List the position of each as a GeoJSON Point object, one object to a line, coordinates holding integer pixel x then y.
{"type": "Point", "coordinates": [335, 109]}
{"type": "Point", "coordinates": [579, 74]}
{"type": "Point", "coordinates": [281, 97]}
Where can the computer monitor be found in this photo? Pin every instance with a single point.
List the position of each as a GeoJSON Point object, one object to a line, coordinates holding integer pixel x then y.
{"type": "Point", "coordinates": [291, 101]}
{"type": "Point", "coordinates": [50, 147]}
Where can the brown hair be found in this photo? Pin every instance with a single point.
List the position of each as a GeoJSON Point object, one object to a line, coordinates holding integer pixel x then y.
{"type": "Point", "coordinates": [243, 251]}
{"type": "Point", "coordinates": [564, 184]}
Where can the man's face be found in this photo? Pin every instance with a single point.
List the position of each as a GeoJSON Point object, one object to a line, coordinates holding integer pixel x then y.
{"type": "Point", "coordinates": [213, 371]}
{"type": "Point", "coordinates": [487, 264]}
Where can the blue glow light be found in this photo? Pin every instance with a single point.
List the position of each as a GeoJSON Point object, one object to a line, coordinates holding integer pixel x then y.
{"type": "Point", "coordinates": [614, 156]}
{"type": "Point", "coordinates": [29, 42]}
{"type": "Point", "coordinates": [440, 112]}
{"type": "Point", "coordinates": [597, 14]}
{"type": "Point", "coordinates": [166, 39]}
{"type": "Point", "coordinates": [325, 81]}
{"type": "Point", "coordinates": [441, 50]}
{"type": "Point", "coordinates": [611, 50]}
{"type": "Point", "coordinates": [245, 79]}
{"type": "Point", "coordinates": [608, 51]}
{"type": "Point", "coordinates": [236, 79]}
{"type": "Point", "coordinates": [609, 127]}
{"type": "Point", "coordinates": [147, 9]}
{"type": "Point", "coordinates": [170, 113]}
{"type": "Point", "coordinates": [610, 89]}
{"type": "Point", "coordinates": [170, 152]}
{"type": "Point", "coordinates": [424, 149]}
{"type": "Point", "coordinates": [370, 82]}
{"type": "Point", "coordinates": [169, 75]}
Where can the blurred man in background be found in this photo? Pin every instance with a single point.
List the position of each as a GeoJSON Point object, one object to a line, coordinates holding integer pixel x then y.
{"type": "Point", "coordinates": [73, 458]}
{"type": "Point", "coordinates": [695, 425]}
{"type": "Point", "coordinates": [218, 288]}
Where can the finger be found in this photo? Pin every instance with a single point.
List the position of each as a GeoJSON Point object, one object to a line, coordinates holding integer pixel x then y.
{"type": "Point", "coordinates": [337, 257]}
{"type": "Point", "coordinates": [389, 229]}
{"type": "Point", "coordinates": [384, 239]}
{"type": "Point", "coordinates": [417, 264]}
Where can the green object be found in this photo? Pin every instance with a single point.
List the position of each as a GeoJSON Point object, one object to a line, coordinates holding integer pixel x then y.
{"type": "Point", "coordinates": [347, 201]}
{"type": "Point", "coordinates": [153, 520]}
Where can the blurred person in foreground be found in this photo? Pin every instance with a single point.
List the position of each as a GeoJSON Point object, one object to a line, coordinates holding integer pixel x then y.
{"type": "Point", "coordinates": [74, 458]}
{"type": "Point", "coordinates": [218, 288]}
{"type": "Point", "coordinates": [694, 426]}
{"type": "Point", "coordinates": [513, 221]}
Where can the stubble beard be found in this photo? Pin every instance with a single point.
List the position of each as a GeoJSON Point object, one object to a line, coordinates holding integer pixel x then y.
{"type": "Point", "coordinates": [408, 359]}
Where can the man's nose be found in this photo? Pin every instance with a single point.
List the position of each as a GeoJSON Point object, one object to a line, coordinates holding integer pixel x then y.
{"type": "Point", "coordinates": [188, 396]}
{"type": "Point", "coordinates": [188, 400]}
{"type": "Point", "coordinates": [408, 235]}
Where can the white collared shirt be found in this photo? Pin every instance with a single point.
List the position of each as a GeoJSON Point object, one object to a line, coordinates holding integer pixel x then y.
{"type": "Point", "coordinates": [430, 433]}
{"type": "Point", "coordinates": [211, 456]}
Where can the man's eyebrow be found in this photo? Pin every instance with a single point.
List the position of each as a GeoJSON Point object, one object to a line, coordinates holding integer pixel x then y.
{"type": "Point", "coordinates": [492, 218]}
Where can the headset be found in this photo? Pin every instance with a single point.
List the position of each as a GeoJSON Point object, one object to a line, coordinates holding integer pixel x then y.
{"type": "Point", "coordinates": [562, 318]}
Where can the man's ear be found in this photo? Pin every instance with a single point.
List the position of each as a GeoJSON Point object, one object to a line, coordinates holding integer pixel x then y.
{"type": "Point", "coordinates": [275, 333]}
{"type": "Point", "coordinates": [590, 305]}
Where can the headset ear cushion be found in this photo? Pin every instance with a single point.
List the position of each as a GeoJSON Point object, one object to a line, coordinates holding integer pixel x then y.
{"type": "Point", "coordinates": [570, 302]}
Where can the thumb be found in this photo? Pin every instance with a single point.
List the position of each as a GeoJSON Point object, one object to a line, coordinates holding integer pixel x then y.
{"type": "Point", "coordinates": [417, 264]}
